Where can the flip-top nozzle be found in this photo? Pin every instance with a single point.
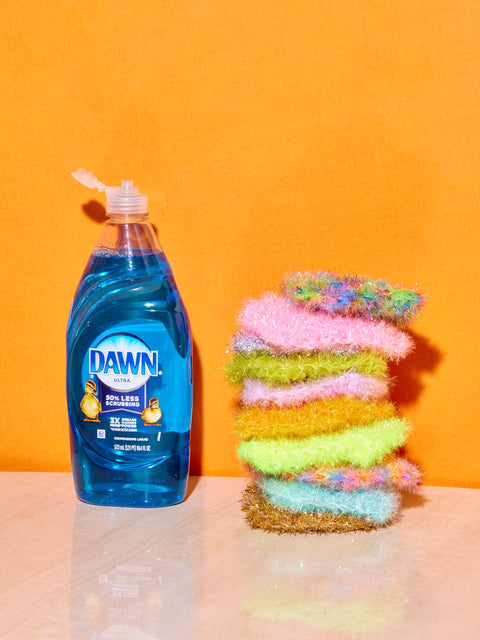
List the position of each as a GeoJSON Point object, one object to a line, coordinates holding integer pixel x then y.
{"type": "Point", "coordinates": [125, 199]}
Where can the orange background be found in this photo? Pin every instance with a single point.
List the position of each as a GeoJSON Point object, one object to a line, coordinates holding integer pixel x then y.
{"type": "Point", "coordinates": [280, 136]}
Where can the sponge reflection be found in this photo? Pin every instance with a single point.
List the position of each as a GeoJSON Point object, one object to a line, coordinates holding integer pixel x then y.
{"type": "Point", "coordinates": [351, 585]}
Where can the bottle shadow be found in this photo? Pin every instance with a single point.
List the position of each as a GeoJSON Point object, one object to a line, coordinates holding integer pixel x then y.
{"type": "Point", "coordinates": [95, 211]}
{"type": "Point", "coordinates": [196, 442]}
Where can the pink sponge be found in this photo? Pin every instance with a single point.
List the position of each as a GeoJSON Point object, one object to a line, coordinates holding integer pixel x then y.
{"type": "Point", "coordinates": [354, 384]}
{"type": "Point", "coordinates": [290, 328]}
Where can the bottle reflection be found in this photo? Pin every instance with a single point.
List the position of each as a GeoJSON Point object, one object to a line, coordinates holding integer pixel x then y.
{"type": "Point", "coordinates": [124, 584]}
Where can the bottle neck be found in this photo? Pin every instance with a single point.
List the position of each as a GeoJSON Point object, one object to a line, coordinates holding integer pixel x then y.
{"type": "Point", "coordinates": [129, 232]}
{"type": "Point", "coordinates": [126, 218]}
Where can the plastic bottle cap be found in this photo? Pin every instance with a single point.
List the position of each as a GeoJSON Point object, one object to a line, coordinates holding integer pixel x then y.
{"type": "Point", "coordinates": [125, 199]}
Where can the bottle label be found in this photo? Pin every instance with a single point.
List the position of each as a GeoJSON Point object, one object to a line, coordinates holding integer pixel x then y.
{"type": "Point", "coordinates": [123, 363]}
{"type": "Point", "coordinates": [137, 393]}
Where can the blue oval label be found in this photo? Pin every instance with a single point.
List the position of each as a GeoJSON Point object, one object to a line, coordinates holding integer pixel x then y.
{"type": "Point", "coordinates": [123, 362]}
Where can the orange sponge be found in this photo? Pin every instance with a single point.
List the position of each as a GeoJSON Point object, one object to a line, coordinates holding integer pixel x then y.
{"type": "Point", "coordinates": [312, 418]}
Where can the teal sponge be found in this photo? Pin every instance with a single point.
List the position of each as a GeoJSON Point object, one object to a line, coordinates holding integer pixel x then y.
{"type": "Point", "coordinates": [379, 505]}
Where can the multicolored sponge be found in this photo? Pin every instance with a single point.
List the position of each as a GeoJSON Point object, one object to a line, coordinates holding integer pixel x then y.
{"type": "Point", "coordinates": [316, 427]}
{"type": "Point", "coordinates": [356, 296]}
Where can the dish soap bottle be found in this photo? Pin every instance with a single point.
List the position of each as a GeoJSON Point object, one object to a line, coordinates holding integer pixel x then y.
{"type": "Point", "coordinates": [129, 368]}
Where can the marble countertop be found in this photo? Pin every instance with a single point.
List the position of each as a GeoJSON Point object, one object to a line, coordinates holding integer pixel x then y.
{"type": "Point", "coordinates": [196, 571]}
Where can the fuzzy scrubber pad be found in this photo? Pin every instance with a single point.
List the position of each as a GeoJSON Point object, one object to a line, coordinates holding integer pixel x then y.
{"type": "Point", "coordinates": [289, 328]}
{"type": "Point", "coordinates": [261, 514]}
{"type": "Point", "coordinates": [351, 384]}
{"type": "Point", "coordinates": [360, 446]}
{"type": "Point", "coordinates": [353, 296]}
{"type": "Point", "coordinates": [379, 505]}
{"type": "Point", "coordinates": [395, 472]}
{"type": "Point", "coordinates": [244, 342]}
{"type": "Point", "coordinates": [298, 367]}
{"type": "Point", "coordinates": [247, 342]}
{"type": "Point", "coordinates": [309, 419]}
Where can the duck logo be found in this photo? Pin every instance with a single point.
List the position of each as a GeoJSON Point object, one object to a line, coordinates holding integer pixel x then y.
{"type": "Point", "coordinates": [123, 362]}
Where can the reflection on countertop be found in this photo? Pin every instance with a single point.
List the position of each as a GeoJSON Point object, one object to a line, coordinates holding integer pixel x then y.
{"type": "Point", "coordinates": [350, 584]}
{"type": "Point", "coordinates": [130, 579]}
{"type": "Point", "coordinates": [196, 570]}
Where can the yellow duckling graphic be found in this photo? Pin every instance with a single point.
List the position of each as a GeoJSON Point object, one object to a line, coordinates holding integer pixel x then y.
{"type": "Point", "coordinates": [152, 413]}
{"type": "Point", "coordinates": [90, 406]}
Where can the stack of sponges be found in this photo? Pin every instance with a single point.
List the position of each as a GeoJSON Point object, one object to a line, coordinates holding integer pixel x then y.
{"type": "Point", "coordinates": [316, 427]}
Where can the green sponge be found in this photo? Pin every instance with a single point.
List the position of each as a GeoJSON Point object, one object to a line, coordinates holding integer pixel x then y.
{"type": "Point", "coordinates": [297, 367]}
{"type": "Point", "coordinates": [359, 446]}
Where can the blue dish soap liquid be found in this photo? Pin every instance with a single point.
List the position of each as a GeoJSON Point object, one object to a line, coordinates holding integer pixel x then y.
{"type": "Point", "coordinates": [129, 367]}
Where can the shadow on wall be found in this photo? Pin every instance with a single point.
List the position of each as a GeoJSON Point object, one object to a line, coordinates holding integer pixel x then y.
{"type": "Point", "coordinates": [95, 211]}
{"type": "Point", "coordinates": [407, 374]}
{"type": "Point", "coordinates": [196, 442]}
